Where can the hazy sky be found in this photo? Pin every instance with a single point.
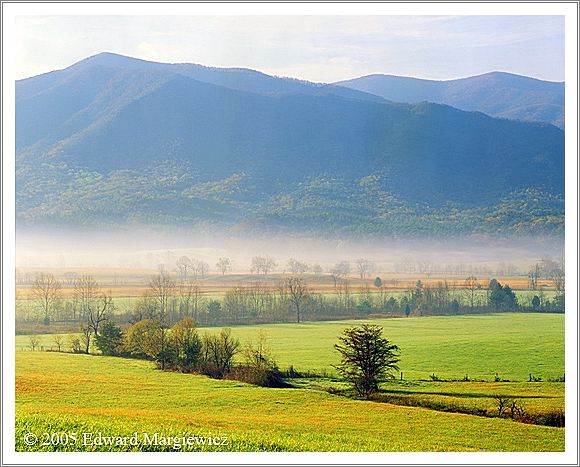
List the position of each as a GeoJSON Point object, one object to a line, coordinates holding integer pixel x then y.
{"type": "Point", "coordinates": [316, 48]}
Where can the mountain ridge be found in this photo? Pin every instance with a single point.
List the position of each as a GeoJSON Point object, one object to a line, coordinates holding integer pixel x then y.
{"type": "Point", "coordinates": [499, 94]}
{"type": "Point", "coordinates": [105, 143]}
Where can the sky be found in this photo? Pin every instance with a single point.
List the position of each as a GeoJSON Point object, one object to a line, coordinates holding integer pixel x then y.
{"type": "Point", "coordinates": [316, 48]}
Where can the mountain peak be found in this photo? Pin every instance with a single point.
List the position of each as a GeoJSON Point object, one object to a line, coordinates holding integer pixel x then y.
{"type": "Point", "coordinates": [114, 138]}
{"type": "Point", "coordinates": [110, 59]}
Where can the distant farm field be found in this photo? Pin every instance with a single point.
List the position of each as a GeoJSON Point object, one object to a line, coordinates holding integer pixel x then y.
{"type": "Point", "coordinates": [66, 393]}
{"type": "Point", "coordinates": [132, 283]}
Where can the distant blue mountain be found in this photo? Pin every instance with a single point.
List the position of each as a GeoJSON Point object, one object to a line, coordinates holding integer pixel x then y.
{"type": "Point", "coordinates": [114, 139]}
{"type": "Point", "coordinates": [498, 94]}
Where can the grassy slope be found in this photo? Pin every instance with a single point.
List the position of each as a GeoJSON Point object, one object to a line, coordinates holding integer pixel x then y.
{"type": "Point", "coordinates": [64, 392]}
{"type": "Point", "coordinates": [511, 344]}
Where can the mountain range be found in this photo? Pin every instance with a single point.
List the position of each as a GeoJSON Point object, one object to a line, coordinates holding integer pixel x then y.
{"type": "Point", "coordinates": [113, 139]}
{"type": "Point", "coordinates": [498, 94]}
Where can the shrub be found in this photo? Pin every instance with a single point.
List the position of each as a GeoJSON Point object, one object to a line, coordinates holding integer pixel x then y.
{"type": "Point", "coordinates": [554, 418]}
{"type": "Point", "coordinates": [503, 404]}
{"type": "Point", "coordinates": [259, 367]}
{"type": "Point", "coordinates": [75, 345]}
{"type": "Point", "coordinates": [187, 345]}
{"type": "Point", "coordinates": [147, 338]}
{"type": "Point", "coordinates": [218, 353]}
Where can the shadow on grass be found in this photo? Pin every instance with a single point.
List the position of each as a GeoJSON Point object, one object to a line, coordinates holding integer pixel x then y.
{"type": "Point", "coordinates": [469, 395]}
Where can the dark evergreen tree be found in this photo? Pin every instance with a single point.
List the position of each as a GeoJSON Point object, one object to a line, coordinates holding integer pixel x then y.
{"type": "Point", "coordinates": [110, 339]}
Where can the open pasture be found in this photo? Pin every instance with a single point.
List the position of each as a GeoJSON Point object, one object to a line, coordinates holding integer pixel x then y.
{"type": "Point", "coordinates": [114, 396]}
{"type": "Point", "coordinates": [511, 345]}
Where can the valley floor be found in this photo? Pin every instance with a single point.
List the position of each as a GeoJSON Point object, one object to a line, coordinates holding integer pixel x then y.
{"type": "Point", "coordinates": [72, 393]}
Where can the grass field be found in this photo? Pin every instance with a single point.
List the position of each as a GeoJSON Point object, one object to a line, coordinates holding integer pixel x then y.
{"type": "Point", "coordinates": [58, 392]}
{"type": "Point", "coordinates": [77, 393]}
{"type": "Point", "coordinates": [513, 345]}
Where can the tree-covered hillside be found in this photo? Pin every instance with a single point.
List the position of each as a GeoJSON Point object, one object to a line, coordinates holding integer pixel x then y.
{"type": "Point", "coordinates": [113, 140]}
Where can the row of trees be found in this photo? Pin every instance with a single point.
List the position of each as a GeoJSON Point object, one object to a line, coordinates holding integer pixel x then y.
{"type": "Point", "coordinates": [179, 347]}
{"type": "Point", "coordinates": [547, 269]}
{"type": "Point", "coordinates": [188, 268]}
{"type": "Point", "coordinates": [544, 269]}
{"type": "Point", "coordinates": [291, 299]}
{"type": "Point", "coordinates": [92, 304]}
{"type": "Point", "coordinates": [182, 348]}
{"type": "Point", "coordinates": [367, 358]}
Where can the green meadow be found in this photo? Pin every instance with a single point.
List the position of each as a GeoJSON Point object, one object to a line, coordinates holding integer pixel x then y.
{"type": "Point", "coordinates": [61, 392]}
{"type": "Point", "coordinates": [511, 345]}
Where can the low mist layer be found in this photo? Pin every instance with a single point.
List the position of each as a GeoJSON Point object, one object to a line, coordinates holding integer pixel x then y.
{"type": "Point", "coordinates": [161, 249]}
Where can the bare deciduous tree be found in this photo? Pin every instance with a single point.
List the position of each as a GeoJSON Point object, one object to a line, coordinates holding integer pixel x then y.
{"type": "Point", "coordinates": [262, 265]}
{"type": "Point", "coordinates": [224, 264]}
{"type": "Point", "coordinates": [257, 295]}
{"type": "Point", "coordinates": [471, 286]}
{"type": "Point", "coordinates": [558, 278]}
{"type": "Point", "coordinates": [297, 267]}
{"type": "Point", "coordinates": [219, 351]}
{"type": "Point", "coordinates": [269, 265]}
{"type": "Point", "coordinates": [341, 269]}
{"type": "Point", "coordinates": [316, 269]}
{"type": "Point", "coordinates": [191, 299]}
{"type": "Point", "coordinates": [161, 290]}
{"type": "Point", "coordinates": [75, 344]}
{"type": "Point", "coordinates": [46, 289]}
{"type": "Point", "coordinates": [94, 303]}
{"type": "Point", "coordinates": [534, 274]}
{"type": "Point", "coordinates": [70, 278]}
{"type": "Point", "coordinates": [184, 265]}
{"type": "Point", "coordinates": [200, 268]}
{"type": "Point", "coordinates": [58, 339]}
{"type": "Point", "coordinates": [364, 267]}
{"type": "Point", "coordinates": [343, 293]}
{"type": "Point", "coordinates": [85, 340]}
{"type": "Point", "coordinates": [34, 341]}
{"type": "Point", "coordinates": [297, 292]}
{"type": "Point", "coordinates": [145, 308]}
{"type": "Point", "coordinates": [554, 271]}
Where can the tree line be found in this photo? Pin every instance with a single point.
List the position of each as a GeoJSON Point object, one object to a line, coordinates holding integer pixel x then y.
{"type": "Point", "coordinates": [291, 299]}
